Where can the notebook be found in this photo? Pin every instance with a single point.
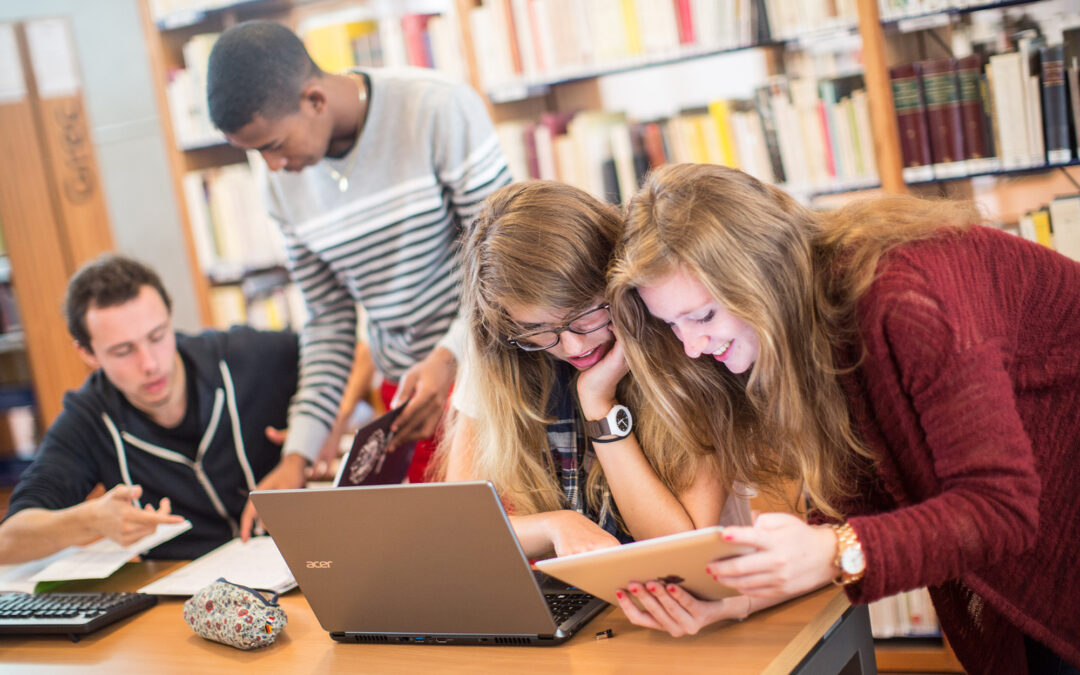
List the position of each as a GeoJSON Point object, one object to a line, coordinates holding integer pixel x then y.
{"type": "Point", "coordinates": [368, 462]}
{"type": "Point", "coordinates": [427, 563]}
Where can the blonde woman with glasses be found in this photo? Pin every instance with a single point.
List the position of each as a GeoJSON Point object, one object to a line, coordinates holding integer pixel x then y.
{"type": "Point", "coordinates": [544, 407]}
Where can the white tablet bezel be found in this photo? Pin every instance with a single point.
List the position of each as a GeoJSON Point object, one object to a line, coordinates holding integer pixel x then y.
{"type": "Point", "coordinates": [677, 558]}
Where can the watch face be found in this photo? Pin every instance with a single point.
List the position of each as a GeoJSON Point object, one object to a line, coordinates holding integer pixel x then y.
{"type": "Point", "coordinates": [852, 560]}
{"type": "Point", "coordinates": [622, 421]}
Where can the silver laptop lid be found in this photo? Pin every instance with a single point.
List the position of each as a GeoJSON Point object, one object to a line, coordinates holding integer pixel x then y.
{"type": "Point", "coordinates": [426, 558]}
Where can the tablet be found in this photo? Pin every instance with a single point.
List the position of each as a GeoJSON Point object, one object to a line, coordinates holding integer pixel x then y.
{"type": "Point", "coordinates": [677, 558]}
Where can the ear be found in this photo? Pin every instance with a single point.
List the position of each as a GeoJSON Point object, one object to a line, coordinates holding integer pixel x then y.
{"type": "Point", "coordinates": [315, 95]}
{"type": "Point", "coordinates": [86, 355]}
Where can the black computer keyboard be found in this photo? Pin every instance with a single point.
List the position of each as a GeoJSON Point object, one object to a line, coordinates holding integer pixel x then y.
{"type": "Point", "coordinates": [565, 605]}
{"type": "Point", "coordinates": [71, 613]}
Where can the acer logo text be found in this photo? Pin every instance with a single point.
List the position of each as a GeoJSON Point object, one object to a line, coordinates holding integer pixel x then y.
{"type": "Point", "coordinates": [319, 564]}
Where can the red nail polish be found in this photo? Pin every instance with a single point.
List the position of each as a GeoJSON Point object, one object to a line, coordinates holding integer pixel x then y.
{"type": "Point", "coordinates": [728, 537]}
{"type": "Point", "coordinates": [671, 588]}
{"type": "Point", "coordinates": [618, 594]}
{"type": "Point", "coordinates": [651, 587]}
{"type": "Point", "coordinates": [634, 591]}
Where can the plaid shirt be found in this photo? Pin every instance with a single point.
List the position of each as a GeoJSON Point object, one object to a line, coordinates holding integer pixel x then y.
{"type": "Point", "coordinates": [571, 453]}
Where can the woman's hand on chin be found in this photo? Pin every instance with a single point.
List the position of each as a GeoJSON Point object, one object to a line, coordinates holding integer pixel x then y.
{"type": "Point", "coordinates": [596, 386]}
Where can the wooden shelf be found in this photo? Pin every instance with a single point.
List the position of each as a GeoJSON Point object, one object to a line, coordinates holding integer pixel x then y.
{"type": "Point", "coordinates": [912, 655]}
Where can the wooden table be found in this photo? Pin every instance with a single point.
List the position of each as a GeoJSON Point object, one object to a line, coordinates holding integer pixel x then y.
{"type": "Point", "coordinates": [817, 633]}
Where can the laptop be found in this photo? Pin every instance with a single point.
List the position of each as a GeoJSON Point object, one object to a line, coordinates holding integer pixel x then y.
{"type": "Point", "coordinates": [427, 563]}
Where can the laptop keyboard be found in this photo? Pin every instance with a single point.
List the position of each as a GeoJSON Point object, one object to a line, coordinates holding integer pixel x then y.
{"type": "Point", "coordinates": [565, 605]}
{"type": "Point", "coordinates": [71, 613]}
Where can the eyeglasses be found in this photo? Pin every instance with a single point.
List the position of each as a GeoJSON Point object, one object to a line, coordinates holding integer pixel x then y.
{"type": "Point", "coordinates": [582, 324]}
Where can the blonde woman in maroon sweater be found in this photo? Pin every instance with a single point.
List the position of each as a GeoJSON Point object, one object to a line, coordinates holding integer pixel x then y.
{"type": "Point", "coordinates": [919, 374]}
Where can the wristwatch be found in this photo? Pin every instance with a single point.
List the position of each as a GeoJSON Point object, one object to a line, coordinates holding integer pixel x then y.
{"type": "Point", "coordinates": [849, 555]}
{"type": "Point", "coordinates": [617, 423]}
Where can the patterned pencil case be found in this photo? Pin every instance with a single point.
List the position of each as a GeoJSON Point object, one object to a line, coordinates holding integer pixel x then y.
{"type": "Point", "coordinates": [235, 615]}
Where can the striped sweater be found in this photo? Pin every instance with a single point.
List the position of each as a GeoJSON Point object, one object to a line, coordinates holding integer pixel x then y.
{"type": "Point", "coordinates": [425, 160]}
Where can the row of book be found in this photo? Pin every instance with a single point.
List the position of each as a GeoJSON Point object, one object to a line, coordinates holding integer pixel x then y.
{"type": "Point", "coordinates": [411, 39]}
{"type": "Point", "coordinates": [276, 306]}
{"type": "Point", "coordinates": [810, 135]}
{"type": "Point", "coordinates": [1055, 225]}
{"type": "Point", "coordinates": [186, 94]}
{"type": "Point", "coordinates": [229, 223]}
{"type": "Point", "coordinates": [978, 114]}
{"type": "Point", "coordinates": [891, 10]}
{"type": "Point", "coordinates": [10, 321]}
{"type": "Point", "coordinates": [909, 614]}
{"type": "Point", "coordinates": [161, 10]}
{"type": "Point", "coordinates": [9, 312]}
{"type": "Point", "coordinates": [538, 41]}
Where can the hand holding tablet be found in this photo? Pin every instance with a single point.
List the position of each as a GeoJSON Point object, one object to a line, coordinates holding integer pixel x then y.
{"type": "Point", "coordinates": [676, 559]}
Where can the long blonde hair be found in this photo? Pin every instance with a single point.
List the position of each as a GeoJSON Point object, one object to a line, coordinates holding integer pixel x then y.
{"type": "Point", "coordinates": [795, 277]}
{"type": "Point", "coordinates": [539, 244]}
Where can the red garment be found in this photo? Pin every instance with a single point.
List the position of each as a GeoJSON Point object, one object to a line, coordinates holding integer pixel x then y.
{"type": "Point", "coordinates": [424, 448]}
{"type": "Point", "coordinates": [970, 394]}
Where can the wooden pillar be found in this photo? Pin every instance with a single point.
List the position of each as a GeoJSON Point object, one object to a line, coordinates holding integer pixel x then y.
{"type": "Point", "coordinates": [879, 90]}
{"type": "Point", "coordinates": [51, 207]}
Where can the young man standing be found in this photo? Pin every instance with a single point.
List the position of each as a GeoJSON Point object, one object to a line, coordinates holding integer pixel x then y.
{"type": "Point", "coordinates": [383, 170]}
{"type": "Point", "coordinates": [173, 426]}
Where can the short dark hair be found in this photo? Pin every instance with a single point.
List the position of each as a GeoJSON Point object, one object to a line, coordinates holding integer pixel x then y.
{"type": "Point", "coordinates": [256, 67]}
{"type": "Point", "coordinates": [109, 281]}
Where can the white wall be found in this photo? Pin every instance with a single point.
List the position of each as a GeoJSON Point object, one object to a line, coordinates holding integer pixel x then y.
{"type": "Point", "coordinates": [123, 115]}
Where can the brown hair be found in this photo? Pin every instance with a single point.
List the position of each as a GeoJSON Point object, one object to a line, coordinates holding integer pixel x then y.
{"type": "Point", "coordinates": [795, 277]}
{"type": "Point", "coordinates": [109, 281]}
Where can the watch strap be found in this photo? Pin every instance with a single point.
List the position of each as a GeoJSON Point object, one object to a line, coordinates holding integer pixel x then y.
{"type": "Point", "coordinates": [846, 539]}
{"type": "Point", "coordinates": [597, 428]}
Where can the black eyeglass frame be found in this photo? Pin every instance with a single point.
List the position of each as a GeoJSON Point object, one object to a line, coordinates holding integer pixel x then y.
{"type": "Point", "coordinates": [559, 330]}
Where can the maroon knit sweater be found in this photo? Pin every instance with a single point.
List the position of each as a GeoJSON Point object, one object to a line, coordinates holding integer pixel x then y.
{"type": "Point", "coordinates": [969, 392]}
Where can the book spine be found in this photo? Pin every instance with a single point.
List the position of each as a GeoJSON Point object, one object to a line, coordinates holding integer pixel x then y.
{"type": "Point", "coordinates": [655, 149]}
{"type": "Point", "coordinates": [685, 17]}
{"type": "Point", "coordinates": [413, 27]}
{"type": "Point", "coordinates": [768, 122]}
{"type": "Point", "coordinates": [986, 101]}
{"type": "Point", "coordinates": [1055, 105]}
{"type": "Point", "coordinates": [943, 116]}
{"type": "Point", "coordinates": [532, 159]}
{"type": "Point", "coordinates": [911, 118]}
{"type": "Point", "coordinates": [968, 70]}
